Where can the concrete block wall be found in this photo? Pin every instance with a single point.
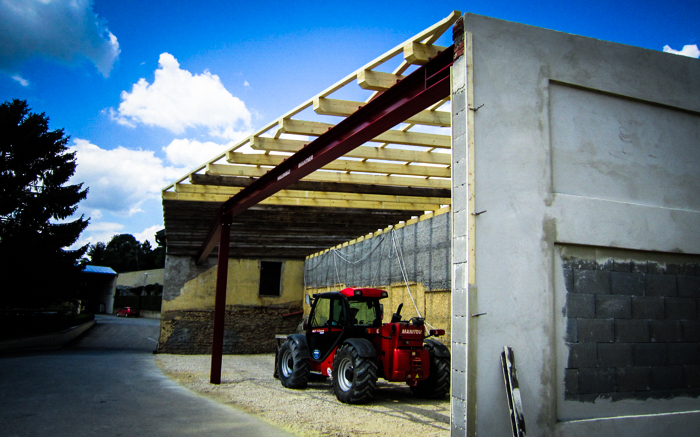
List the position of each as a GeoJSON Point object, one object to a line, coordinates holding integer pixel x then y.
{"type": "Point", "coordinates": [632, 328]}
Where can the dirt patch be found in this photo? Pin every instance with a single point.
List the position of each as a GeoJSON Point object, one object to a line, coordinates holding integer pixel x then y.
{"type": "Point", "coordinates": [247, 383]}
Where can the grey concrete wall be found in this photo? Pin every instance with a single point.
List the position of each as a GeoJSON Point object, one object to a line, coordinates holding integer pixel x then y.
{"type": "Point", "coordinates": [579, 142]}
{"type": "Point", "coordinates": [425, 247]}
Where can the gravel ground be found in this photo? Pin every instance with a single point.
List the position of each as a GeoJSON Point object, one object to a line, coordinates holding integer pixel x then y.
{"type": "Point", "coordinates": [247, 383]}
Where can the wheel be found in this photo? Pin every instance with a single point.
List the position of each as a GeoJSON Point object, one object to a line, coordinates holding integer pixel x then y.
{"type": "Point", "coordinates": [354, 377]}
{"type": "Point", "coordinates": [437, 384]}
{"type": "Point", "coordinates": [292, 370]}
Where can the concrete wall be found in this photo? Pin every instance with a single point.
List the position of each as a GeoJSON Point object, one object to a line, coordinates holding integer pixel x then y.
{"type": "Point", "coordinates": [579, 144]}
{"type": "Point", "coordinates": [424, 245]}
{"type": "Point", "coordinates": [252, 321]}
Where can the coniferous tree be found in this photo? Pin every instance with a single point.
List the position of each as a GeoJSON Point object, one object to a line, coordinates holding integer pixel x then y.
{"type": "Point", "coordinates": [35, 201]}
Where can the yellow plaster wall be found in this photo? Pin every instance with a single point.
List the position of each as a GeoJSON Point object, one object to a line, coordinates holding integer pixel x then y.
{"type": "Point", "coordinates": [141, 278]}
{"type": "Point", "coordinates": [242, 287]}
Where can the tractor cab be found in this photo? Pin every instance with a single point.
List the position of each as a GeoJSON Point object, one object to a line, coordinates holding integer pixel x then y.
{"type": "Point", "coordinates": [340, 315]}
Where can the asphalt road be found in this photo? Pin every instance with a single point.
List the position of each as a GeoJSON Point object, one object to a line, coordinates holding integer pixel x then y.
{"type": "Point", "coordinates": [106, 383]}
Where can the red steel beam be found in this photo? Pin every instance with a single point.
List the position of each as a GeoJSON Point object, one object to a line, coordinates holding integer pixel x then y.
{"type": "Point", "coordinates": [217, 345]}
{"type": "Point", "coordinates": [427, 85]}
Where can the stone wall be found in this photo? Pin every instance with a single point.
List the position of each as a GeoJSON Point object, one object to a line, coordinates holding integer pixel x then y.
{"type": "Point", "coordinates": [248, 329]}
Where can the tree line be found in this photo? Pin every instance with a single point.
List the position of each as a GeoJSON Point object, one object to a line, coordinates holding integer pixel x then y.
{"type": "Point", "coordinates": [124, 253]}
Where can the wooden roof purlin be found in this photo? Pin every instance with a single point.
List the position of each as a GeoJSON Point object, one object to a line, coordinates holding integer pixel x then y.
{"type": "Point", "coordinates": [406, 169]}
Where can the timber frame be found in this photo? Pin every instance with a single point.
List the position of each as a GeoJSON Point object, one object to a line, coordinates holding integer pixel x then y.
{"type": "Point", "coordinates": [401, 173]}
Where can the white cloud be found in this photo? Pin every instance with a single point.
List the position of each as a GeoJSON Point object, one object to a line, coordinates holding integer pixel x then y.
{"type": "Point", "coordinates": [177, 100]}
{"type": "Point", "coordinates": [189, 153]}
{"type": "Point", "coordinates": [22, 81]}
{"type": "Point", "coordinates": [149, 234]}
{"type": "Point", "coordinates": [99, 232]}
{"type": "Point", "coordinates": [120, 180]}
{"type": "Point", "coordinates": [66, 30]}
{"type": "Point", "coordinates": [246, 84]}
{"type": "Point", "coordinates": [691, 51]}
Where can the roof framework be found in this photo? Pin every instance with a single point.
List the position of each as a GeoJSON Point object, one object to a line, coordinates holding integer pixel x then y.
{"type": "Point", "coordinates": [400, 174]}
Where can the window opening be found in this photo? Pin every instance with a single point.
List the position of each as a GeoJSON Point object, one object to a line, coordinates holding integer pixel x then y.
{"type": "Point", "coordinates": [270, 278]}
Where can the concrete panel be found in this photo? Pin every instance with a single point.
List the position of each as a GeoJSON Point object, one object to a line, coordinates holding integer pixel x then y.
{"type": "Point", "coordinates": [545, 95]}
{"type": "Point", "coordinates": [638, 152]}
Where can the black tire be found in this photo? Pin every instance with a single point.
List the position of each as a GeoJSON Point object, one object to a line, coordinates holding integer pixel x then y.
{"type": "Point", "coordinates": [437, 384]}
{"type": "Point", "coordinates": [354, 377]}
{"type": "Point", "coordinates": [292, 370]}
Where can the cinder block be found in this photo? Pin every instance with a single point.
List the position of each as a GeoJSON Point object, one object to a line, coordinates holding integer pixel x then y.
{"type": "Point", "coordinates": [596, 330]}
{"type": "Point", "coordinates": [687, 269]}
{"type": "Point", "coordinates": [667, 378]}
{"type": "Point", "coordinates": [672, 269]}
{"type": "Point", "coordinates": [648, 307]}
{"type": "Point", "coordinates": [459, 416]}
{"type": "Point", "coordinates": [596, 380]}
{"type": "Point", "coordinates": [631, 331]}
{"type": "Point", "coordinates": [591, 281]}
{"type": "Point", "coordinates": [691, 376]}
{"type": "Point", "coordinates": [661, 285]}
{"type": "Point", "coordinates": [639, 266]}
{"type": "Point", "coordinates": [688, 286]}
{"type": "Point", "coordinates": [582, 355]}
{"type": "Point", "coordinates": [650, 354]}
{"type": "Point", "coordinates": [627, 283]}
{"type": "Point", "coordinates": [691, 330]}
{"type": "Point", "coordinates": [580, 305]}
{"type": "Point", "coordinates": [665, 331]}
{"type": "Point", "coordinates": [679, 308]}
{"type": "Point", "coordinates": [622, 266]}
{"type": "Point", "coordinates": [569, 280]}
{"type": "Point", "coordinates": [633, 379]}
{"type": "Point", "coordinates": [654, 268]}
{"type": "Point", "coordinates": [615, 355]}
{"type": "Point", "coordinates": [571, 331]}
{"type": "Point", "coordinates": [607, 265]}
{"type": "Point", "coordinates": [459, 356]}
{"type": "Point", "coordinates": [613, 306]}
{"type": "Point", "coordinates": [683, 353]}
{"type": "Point", "coordinates": [584, 264]}
{"type": "Point", "coordinates": [459, 384]}
{"type": "Point", "coordinates": [571, 381]}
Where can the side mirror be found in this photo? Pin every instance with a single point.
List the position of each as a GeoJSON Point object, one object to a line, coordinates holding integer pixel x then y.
{"type": "Point", "coordinates": [307, 299]}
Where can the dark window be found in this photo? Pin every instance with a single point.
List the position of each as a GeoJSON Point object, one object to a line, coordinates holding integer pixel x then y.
{"type": "Point", "coordinates": [270, 278]}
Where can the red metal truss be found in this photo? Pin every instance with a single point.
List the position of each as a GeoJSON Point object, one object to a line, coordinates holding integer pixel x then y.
{"type": "Point", "coordinates": [427, 85]}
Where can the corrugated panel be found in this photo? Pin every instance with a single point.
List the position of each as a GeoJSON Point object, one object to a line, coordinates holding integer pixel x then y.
{"type": "Point", "coordinates": [100, 270]}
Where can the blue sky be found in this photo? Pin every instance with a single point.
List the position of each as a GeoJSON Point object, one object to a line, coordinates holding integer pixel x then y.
{"type": "Point", "coordinates": [149, 89]}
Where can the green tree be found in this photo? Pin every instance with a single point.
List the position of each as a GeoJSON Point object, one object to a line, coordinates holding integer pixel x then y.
{"type": "Point", "coordinates": [35, 201]}
{"type": "Point", "coordinates": [96, 253]}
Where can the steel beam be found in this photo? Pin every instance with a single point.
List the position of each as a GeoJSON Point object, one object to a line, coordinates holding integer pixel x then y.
{"type": "Point", "coordinates": [217, 345]}
{"type": "Point", "coordinates": [427, 85]}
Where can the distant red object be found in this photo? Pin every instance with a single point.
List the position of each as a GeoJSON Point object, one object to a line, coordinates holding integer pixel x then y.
{"type": "Point", "coordinates": [128, 312]}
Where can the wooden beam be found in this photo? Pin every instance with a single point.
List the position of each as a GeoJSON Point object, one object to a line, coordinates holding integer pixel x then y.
{"type": "Point", "coordinates": [343, 108]}
{"type": "Point", "coordinates": [314, 195]}
{"type": "Point", "coordinates": [233, 181]}
{"type": "Point", "coordinates": [377, 80]}
{"type": "Point", "coordinates": [346, 165]}
{"type": "Point", "coordinates": [316, 128]}
{"type": "Point", "coordinates": [364, 152]}
{"type": "Point", "coordinates": [331, 176]}
{"type": "Point", "coordinates": [418, 53]}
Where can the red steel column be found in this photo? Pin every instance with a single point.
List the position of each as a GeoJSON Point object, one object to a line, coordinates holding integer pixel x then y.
{"type": "Point", "coordinates": [217, 346]}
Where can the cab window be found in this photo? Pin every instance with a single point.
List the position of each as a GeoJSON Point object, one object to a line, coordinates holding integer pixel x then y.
{"type": "Point", "coordinates": [365, 312]}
